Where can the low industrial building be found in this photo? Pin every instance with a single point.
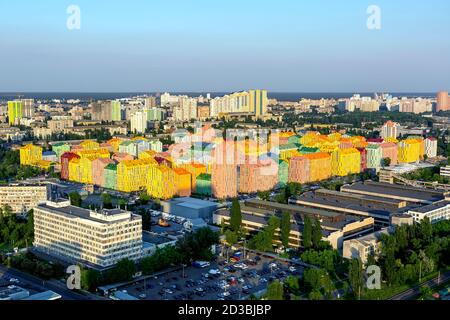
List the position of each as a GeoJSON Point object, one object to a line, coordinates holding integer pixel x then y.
{"type": "Point", "coordinates": [336, 228]}
{"type": "Point", "coordinates": [190, 208]}
{"type": "Point", "coordinates": [96, 239]}
{"type": "Point", "coordinates": [412, 195]}
{"type": "Point", "coordinates": [345, 203]}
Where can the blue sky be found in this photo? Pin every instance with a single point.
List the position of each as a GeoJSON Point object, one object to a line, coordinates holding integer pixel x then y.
{"type": "Point", "coordinates": [218, 45]}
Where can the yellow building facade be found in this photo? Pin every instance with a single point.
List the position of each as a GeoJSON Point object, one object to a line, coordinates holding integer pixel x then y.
{"type": "Point", "coordinates": [30, 155]}
{"type": "Point", "coordinates": [161, 182]}
{"type": "Point", "coordinates": [132, 174]}
{"type": "Point", "coordinates": [344, 162]}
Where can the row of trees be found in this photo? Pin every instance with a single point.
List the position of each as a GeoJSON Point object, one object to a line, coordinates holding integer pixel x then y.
{"type": "Point", "coordinates": [29, 263]}
{"type": "Point", "coordinates": [123, 271]}
{"type": "Point", "coordinates": [263, 240]}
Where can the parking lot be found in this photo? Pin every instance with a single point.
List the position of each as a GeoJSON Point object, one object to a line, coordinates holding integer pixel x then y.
{"type": "Point", "coordinates": [218, 281]}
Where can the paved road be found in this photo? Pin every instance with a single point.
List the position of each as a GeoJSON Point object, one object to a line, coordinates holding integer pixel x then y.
{"type": "Point", "coordinates": [413, 292]}
{"type": "Point", "coordinates": [29, 281]}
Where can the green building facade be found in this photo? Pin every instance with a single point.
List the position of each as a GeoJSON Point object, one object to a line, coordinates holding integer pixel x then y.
{"type": "Point", "coordinates": [15, 111]}
{"type": "Point", "coordinates": [59, 148]}
{"type": "Point", "coordinates": [283, 173]}
{"type": "Point", "coordinates": [116, 110]}
{"type": "Point", "coordinates": [110, 176]}
{"type": "Point", "coordinates": [204, 184]}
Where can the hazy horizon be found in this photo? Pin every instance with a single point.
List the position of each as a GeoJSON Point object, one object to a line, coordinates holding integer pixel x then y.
{"type": "Point", "coordinates": [201, 46]}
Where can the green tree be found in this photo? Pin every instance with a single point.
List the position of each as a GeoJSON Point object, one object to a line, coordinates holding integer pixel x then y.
{"type": "Point", "coordinates": [425, 292]}
{"type": "Point", "coordinates": [122, 204]}
{"type": "Point", "coordinates": [356, 276]}
{"type": "Point", "coordinates": [316, 234]}
{"type": "Point", "coordinates": [285, 227]}
{"type": "Point", "coordinates": [75, 199]}
{"type": "Point", "coordinates": [295, 188]}
{"type": "Point", "coordinates": [307, 232]}
{"type": "Point", "coordinates": [235, 216]}
{"type": "Point", "coordinates": [292, 284]}
{"type": "Point", "coordinates": [315, 295]}
{"type": "Point", "coordinates": [264, 195]}
{"type": "Point", "coordinates": [107, 201]}
{"type": "Point", "coordinates": [386, 162]}
{"type": "Point", "coordinates": [275, 291]}
{"type": "Point", "coordinates": [231, 237]}
{"type": "Point", "coordinates": [90, 279]}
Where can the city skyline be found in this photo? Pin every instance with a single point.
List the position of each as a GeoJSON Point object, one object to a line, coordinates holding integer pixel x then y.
{"type": "Point", "coordinates": [283, 47]}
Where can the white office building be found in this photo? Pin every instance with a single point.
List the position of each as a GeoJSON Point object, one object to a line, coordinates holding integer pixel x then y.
{"type": "Point", "coordinates": [95, 239]}
{"type": "Point", "coordinates": [435, 212]}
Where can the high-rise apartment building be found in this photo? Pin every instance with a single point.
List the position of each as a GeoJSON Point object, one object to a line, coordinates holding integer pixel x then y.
{"type": "Point", "coordinates": [106, 111]}
{"type": "Point", "coordinates": [15, 112]}
{"type": "Point", "coordinates": [150, 102]}
{"type": "Point", "coordinates": [96, 239]}
{"type": "Point", "coordinates": [139, 122]}
{"type": "Point", "coordinates": [116, 111]}
{"type": "Point", "coordinates": [443, 101]}
{"type": "Point", "coordinates": [258, 102]}
{"type": "Point", "coordinates": [253, 101]}
{"type": "Point", "coordinates": [185, 110]}
{"type": "Point", "coordinates": [416, 106]}
{"type": "Point", "coordinates": [390, 130]}
{"type": "Point", "coordinates": [28, 108]}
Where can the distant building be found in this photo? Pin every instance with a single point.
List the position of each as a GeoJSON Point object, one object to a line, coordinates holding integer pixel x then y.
{"type": "Point", "coordinates": [28, 108]}
{"type": "Point", "coordinates": [390, 130]}
{"type": "Point", "coordinates": [139, 122]}
{"type": "Point", "coordinates": [106, 111]}
{"type": "Point", "coordinates": [95, 239]}
{"type": "Point", "coordinates": [443, 101]}
{"type": "Point", "coordinates": [21, 197]}
{"type": "Point", "coordinates": [15, 112]}
{"type": "Point", "coordinates": [116, 111]}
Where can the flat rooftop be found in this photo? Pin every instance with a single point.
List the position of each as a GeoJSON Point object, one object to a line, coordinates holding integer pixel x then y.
{"type": "Point", "coordinates": [432, 207]}
{"type": "Point", "coordinates": [342, 205]}
{"type": "Point", "coordinates": [362, 197]}
{"type": "Point", "coordinates": [191, 203]}
{"type": "Point", "coordinates": [76, 212]}
{"type": "Point", "coordinates": [411, 194]}
{"type": "Point", "coordinates": [368, 239]}
{"type": "Point", "coordinates": [267, 205]}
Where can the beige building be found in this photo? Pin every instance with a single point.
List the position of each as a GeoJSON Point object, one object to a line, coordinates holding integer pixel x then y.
{"type": "Point", "coordinates": [95, 239]}
{"type": "Point", "coordinates": [362, 248]}
{"type": "Point", "coordinates": [21, 198]}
